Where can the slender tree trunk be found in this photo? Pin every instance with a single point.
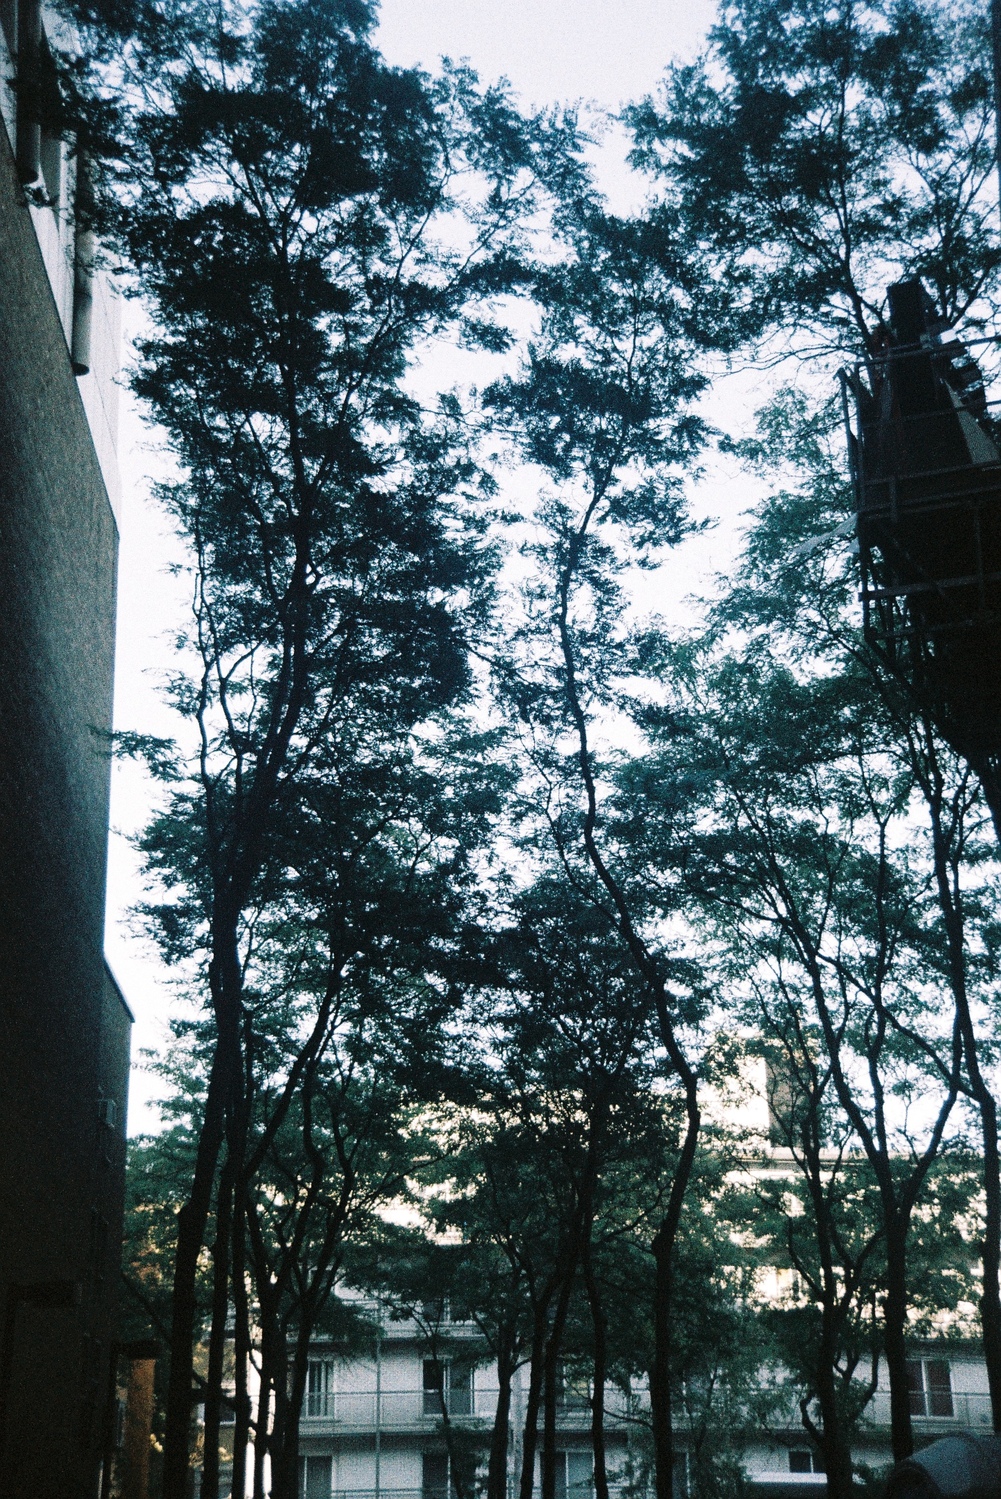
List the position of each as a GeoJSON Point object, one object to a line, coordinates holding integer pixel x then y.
{"type": "Point", "coordinates": [285, 1456]}
{"type": "Point", "coordinates": [833, 1437]}
{"type": "Point", "coordinates": [951, 907]}
{"type": "Point", "coordinates": [663, 1248]}
{"type": "Point", "coordinates": [217, 1335]}
{"type": "Point", "coordinates": [261, 1435]}
{"type": "Point", "coordinates": [894, 1338]}
{"type": "Point", "coordinates": [660, 1373]}
{"type": "Point", "coordinates": [808, 1149]}
{"type": "Point", "coordinates": [554, 1344]}
{"type": "Point", "coordinates": [533, 1403]}
{"type": "Point", "coordinates": [241, 1343]}
{"type": "Point", "coordinates": [191, 1222]}
{"type": "Point", "coordinates": [990, 1301]}
{"type": "Point", "coordinates": [499, 1436]}
{"type": "Point", "coordinates": [600, 1324]}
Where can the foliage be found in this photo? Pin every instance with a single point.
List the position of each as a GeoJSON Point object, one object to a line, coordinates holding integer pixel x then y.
{"type": "Point", "coordinates": [824, 148]}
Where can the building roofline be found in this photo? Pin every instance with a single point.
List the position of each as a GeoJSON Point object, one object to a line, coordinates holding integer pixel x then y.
{"type": "Point", "coordinates": [118, 990]}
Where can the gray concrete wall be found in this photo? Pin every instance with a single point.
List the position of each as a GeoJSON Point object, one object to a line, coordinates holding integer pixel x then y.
{"type": "Point", "coordinates": [58, 546]}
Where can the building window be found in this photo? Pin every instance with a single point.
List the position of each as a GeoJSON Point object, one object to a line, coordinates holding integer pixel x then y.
{"type": "Point", "coordinates": [435, 1312]}
{"type": "Point", "coordinates": [434, 1476]}
{"type": "Point", "coordinates": [930, 1387]}
{"type": "Point", "coordinates": [315, 1475]}
{"type": "Point", "coordinates": [318, 1387]}
{"type": "Point", "coordinates": [434, 1387]}
{"type": "Point", "coordinates": [802, 1460]}
{"type": "Point", "coordinates": [574, 1475]}
{"type": "Point", "coordinates": [448, 1388]}
{"type": "Point", "coordinates": [460, 1389]}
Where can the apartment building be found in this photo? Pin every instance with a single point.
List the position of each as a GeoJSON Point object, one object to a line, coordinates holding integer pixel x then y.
{"type": "Point", "coordinates": [374, 1427]}
{"type": "Point", "coordinates": [381, 1427]}
{"type": "Point", "coordinates": [64, 1026]}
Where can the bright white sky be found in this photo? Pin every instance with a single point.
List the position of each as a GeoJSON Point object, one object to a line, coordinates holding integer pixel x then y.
{"type": "Point", "coordinates": [601, 52]}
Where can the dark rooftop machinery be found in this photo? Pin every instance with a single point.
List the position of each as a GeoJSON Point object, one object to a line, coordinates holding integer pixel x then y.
{"type": "Point", "coordinates": [926, 463]}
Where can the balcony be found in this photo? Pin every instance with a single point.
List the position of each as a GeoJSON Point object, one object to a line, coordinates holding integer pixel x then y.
{"type": "Point", "coordinates": [394, 1410]}
{"type": "Point", "coordinates": [936, 1410]}
{"type": "Point", "coordinates": [414, 1410]}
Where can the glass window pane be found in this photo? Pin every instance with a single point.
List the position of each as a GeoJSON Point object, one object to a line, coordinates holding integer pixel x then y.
{"type": "Point", "coordinates": [318, 1477]}
{"type": "Point", "coordinates": [434, 1383]}
{"type": "Point", "coordinates": [460, 1390]}
{"type": "Point", "coordinates": [580, 1474]}
{"type": "Point", "coordinates": [434, 1478]}
{"type": "Point", "coordinates": [799, 1462]}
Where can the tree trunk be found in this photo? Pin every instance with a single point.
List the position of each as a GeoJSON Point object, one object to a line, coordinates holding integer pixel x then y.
{"type": "Point", "coordinates": [663, 1248]}
{"type": "Point", "coordinates": [833, 1436]}
{"type": "Point", "coordinates": [951, 907]}
{"type": "Point", "coordinates": [497, 1464]}
{"type": "Point", "coordinates": [241, 1344]}
{"type": "Point", "coordinates": [600, 1324]}
{"type": "Point", "coordinates": [285, 1455]}
{"type": "Point", "coordinates": [191, 1221]}
{"type": "Point", "coordinates": [894, 1335]}
{"type": "Point", "coordinates": [990, 1301]}
{"type": "Point", "coordinates": [660, 1374]}
{"type": "Point", "coordinates": [217, 1335]}
{"type": "Point", "coordinates": [554, 1344]}
{"type": "Point", "coordinates": [533, 1404]}
{"type": "Point", "coordinates": [261, 1436]}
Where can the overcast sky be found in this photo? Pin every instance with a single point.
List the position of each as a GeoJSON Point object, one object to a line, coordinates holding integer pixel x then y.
{"type": "Point", "coordinates": [601, 52]}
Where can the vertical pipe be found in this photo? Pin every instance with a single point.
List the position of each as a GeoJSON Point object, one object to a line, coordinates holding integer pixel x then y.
{"type": "Point", "coordinates": [28, 124]}
{"type": "Point", "coordinates": [84, 249]}
{"type": "Point", "coordinates": [378, 1400]}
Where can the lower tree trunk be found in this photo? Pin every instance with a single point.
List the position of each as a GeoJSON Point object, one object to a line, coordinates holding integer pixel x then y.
{"type": "Point", "coordinates": [499, 1436]}
{"type": "Point", "coordinates": [660, 1373]}
{"type": "Point", "coordinates": [530, 1437]}
{"type": "Point", "coordinates": [894, 1339]}
{"type": "Point", "coordinates": [217, 1335]}
{"type": "Point", "coordinates": [600, 1324]}
{"type": "Point", "coordinates": [261, 1436]}
{"type": "Point", "coordinates": [990, 1301]}
{"type": "Point", "coordinates": [661, 1412]}
{"type": "Point", "coordinates": [191, 1223]}
{"type": "Point", "coordinates": [285, 1457]}
{"type": "Point", "coordinates": [951, 905]}
{"type": "Point", "coordinates": [241, 1345]}
{"type": "Point", "coordinates": [554, 1345]}
{"type": "Point", "coordinates": [833, 1437]}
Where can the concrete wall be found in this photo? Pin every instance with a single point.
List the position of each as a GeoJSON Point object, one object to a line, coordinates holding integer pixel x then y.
{"type": "Point", "coordinates": [63, 1028]}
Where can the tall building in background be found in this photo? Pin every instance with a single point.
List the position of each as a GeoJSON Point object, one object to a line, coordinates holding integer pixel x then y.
{"type": "Point", "coordinates": [64, 1027]}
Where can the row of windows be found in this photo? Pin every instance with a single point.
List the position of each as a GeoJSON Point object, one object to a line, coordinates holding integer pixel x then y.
{"type": "Point", "coordinates": [574, 1474]}
{"type": "Point", "coordinates": [447, 1385]}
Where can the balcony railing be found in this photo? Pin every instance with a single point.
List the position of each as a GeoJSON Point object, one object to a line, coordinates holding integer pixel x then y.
{"type": "Point", "coordinates": [407, 1409]}
{"type": "Point", "coordinates": [433, 1491]}
{"type": "Point", "coordinates": [945, 1408]}
{"type": "Point", "coordinates": [394, 1408]}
